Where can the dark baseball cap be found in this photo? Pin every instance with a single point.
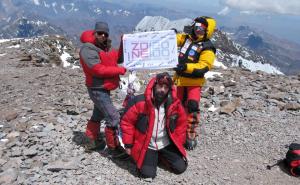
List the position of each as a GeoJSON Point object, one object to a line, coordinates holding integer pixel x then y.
{"type": "Point", "coordinates": [101, 27]}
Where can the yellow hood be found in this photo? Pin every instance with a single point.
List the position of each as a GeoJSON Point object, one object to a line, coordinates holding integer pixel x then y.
{"type": "Point", "coordinates": [210, 28]}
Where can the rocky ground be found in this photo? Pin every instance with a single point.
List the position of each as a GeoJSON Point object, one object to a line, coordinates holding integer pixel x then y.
{"type": "Point", "coordinates": [248, 119]}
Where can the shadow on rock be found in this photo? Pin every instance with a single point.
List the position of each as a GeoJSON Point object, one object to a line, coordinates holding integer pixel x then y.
{"type": "Point", "coordinates": [282, 166]}
{"type": "Point", "coordinates": [79, 138]}
{"type": "Point", "coordinates": [126, 163]}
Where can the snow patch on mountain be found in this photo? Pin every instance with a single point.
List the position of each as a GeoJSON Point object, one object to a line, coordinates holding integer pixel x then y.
{"type": "Point", "coordinates": [14, 46]}
{"type": "Point", "coordinates": [64, 58]}
{"type": "Point", "coordinates": [4, 40]}
{"type": "Point", "coordinates": [212, 74]}
{"type": "Point", "coordinates": [126, 13]}
{"type": "Point", "coordinates": [219, 64]}
{"type": "Point", "coordinates": [44, 50]}
{"type": "Point", "coordinates": [212, 108]}
{"type": "Point", "coordinates": [254, 66]}
{"type": "Point", "coordinates": [13, 40]}
{"type": "Point", "coordinates": [36, 2]}
{"type": "Point", "coordinates": [46, 5]}
{"type": "Point", "coordinates": [98, 11]}
{"type": "Point", "coordinates": [38, 23]}
{"type": "Point", "coordinates": [157, 23]}
{"type": "Point", "coordinates": [64, 55]}
{"type": "Point", "coordinates": [54, 7]}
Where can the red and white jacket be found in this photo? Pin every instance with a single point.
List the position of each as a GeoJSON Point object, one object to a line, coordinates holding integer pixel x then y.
{"type": "Point", "coordinates": [100, 67]}
{"type": "Point", "coordinates": [138, 123]}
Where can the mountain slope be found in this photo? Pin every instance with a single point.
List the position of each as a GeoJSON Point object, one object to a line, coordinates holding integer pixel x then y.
{"type": "Point", "coordinates": [24, 28]}
{"type": "Point", "coordinates": [282, 53]}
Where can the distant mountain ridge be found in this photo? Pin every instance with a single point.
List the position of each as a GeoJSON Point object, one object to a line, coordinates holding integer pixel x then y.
{"type": "Point", "coordinates": [24, 27]}
{"type": "Point", "coordinates": [281, 53]}
{"type": "Point", "coordinates": [74, 16]}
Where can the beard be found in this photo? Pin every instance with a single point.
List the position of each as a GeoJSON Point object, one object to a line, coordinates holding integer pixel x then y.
{"type": "Point", "coordinates": [104, 45]}
{"type": "Point", "coordinates": [159, 97]}
{"type": "Point", "coordinates": [101, 45]}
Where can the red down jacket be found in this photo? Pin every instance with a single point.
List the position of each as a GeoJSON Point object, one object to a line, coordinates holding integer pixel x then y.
{"type": "Point", "coordinates": [138, 121]}
{"type": "Point", "coordinates": [100, 68]}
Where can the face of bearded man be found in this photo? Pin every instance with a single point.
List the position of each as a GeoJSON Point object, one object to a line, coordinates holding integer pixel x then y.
{"type": "Point", "coordinates": [160, 93]}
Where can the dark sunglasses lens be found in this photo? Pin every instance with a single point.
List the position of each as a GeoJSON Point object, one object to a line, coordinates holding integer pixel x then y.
{"type": "Point", "coordinates": [199, 30]}
{"type": "Point", "coordinates": [102, 33]}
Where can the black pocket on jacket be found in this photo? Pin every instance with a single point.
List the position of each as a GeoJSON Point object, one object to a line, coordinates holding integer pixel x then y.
{"type": "Point", "coordinates": [173, 122]}
{"type": "Point", "coordinates": [142, 123]}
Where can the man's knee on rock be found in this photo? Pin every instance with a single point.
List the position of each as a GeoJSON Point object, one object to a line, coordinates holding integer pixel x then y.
{"type": "Point", "coordinates": [148, 172]}
{"type": "Point", "coordinates": [180, 166]}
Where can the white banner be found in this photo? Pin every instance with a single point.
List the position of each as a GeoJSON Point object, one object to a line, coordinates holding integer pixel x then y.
{"type": "Point", "coordinates": [150, 50]}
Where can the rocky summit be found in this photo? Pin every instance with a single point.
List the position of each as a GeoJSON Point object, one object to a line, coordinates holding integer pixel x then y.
{"type": "Point", "coordinates": [247, 121]}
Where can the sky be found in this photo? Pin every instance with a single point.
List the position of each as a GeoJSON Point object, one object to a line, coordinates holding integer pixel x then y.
{"type": "Point", "coordinates": [278, 17]}
{"type": "Point", "coordinates": [291, 7]}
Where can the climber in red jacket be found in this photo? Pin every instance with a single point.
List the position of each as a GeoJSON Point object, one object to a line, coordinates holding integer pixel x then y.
{"type": "Point", "coordinates": [102, 72]}
{"type": "Point", "coordinates": [154, 124]}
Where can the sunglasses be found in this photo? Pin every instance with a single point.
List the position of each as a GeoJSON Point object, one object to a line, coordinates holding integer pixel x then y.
{"type": "Point", "coordinates": [100, 33]}
{"type": "Point", "coordinates": [199, 29]}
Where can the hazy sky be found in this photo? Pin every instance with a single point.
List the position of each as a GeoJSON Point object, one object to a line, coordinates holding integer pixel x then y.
{"type": "Point", "coordinates": [291, 7]}
{"type": "Point", "coordinates": [259, 6]}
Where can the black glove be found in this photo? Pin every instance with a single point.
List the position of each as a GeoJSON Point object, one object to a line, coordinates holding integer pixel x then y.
{"type": "Point", "coordinates": [120, 52]}
{"type": "Point", "coordinates": [190, 144]}
{"type": "Point", "coordinates": [200, 72]}
{"type": "Point", "coordinates": [180, 68]}
{"type": "Point", "coordinates": [105, 45]}
{"type": "Point", "coordinates": [188, 30]}
{"type": "Point", "coordinates": [108, 44]}
{"type": "Point", "coordinates": [175, 30]}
